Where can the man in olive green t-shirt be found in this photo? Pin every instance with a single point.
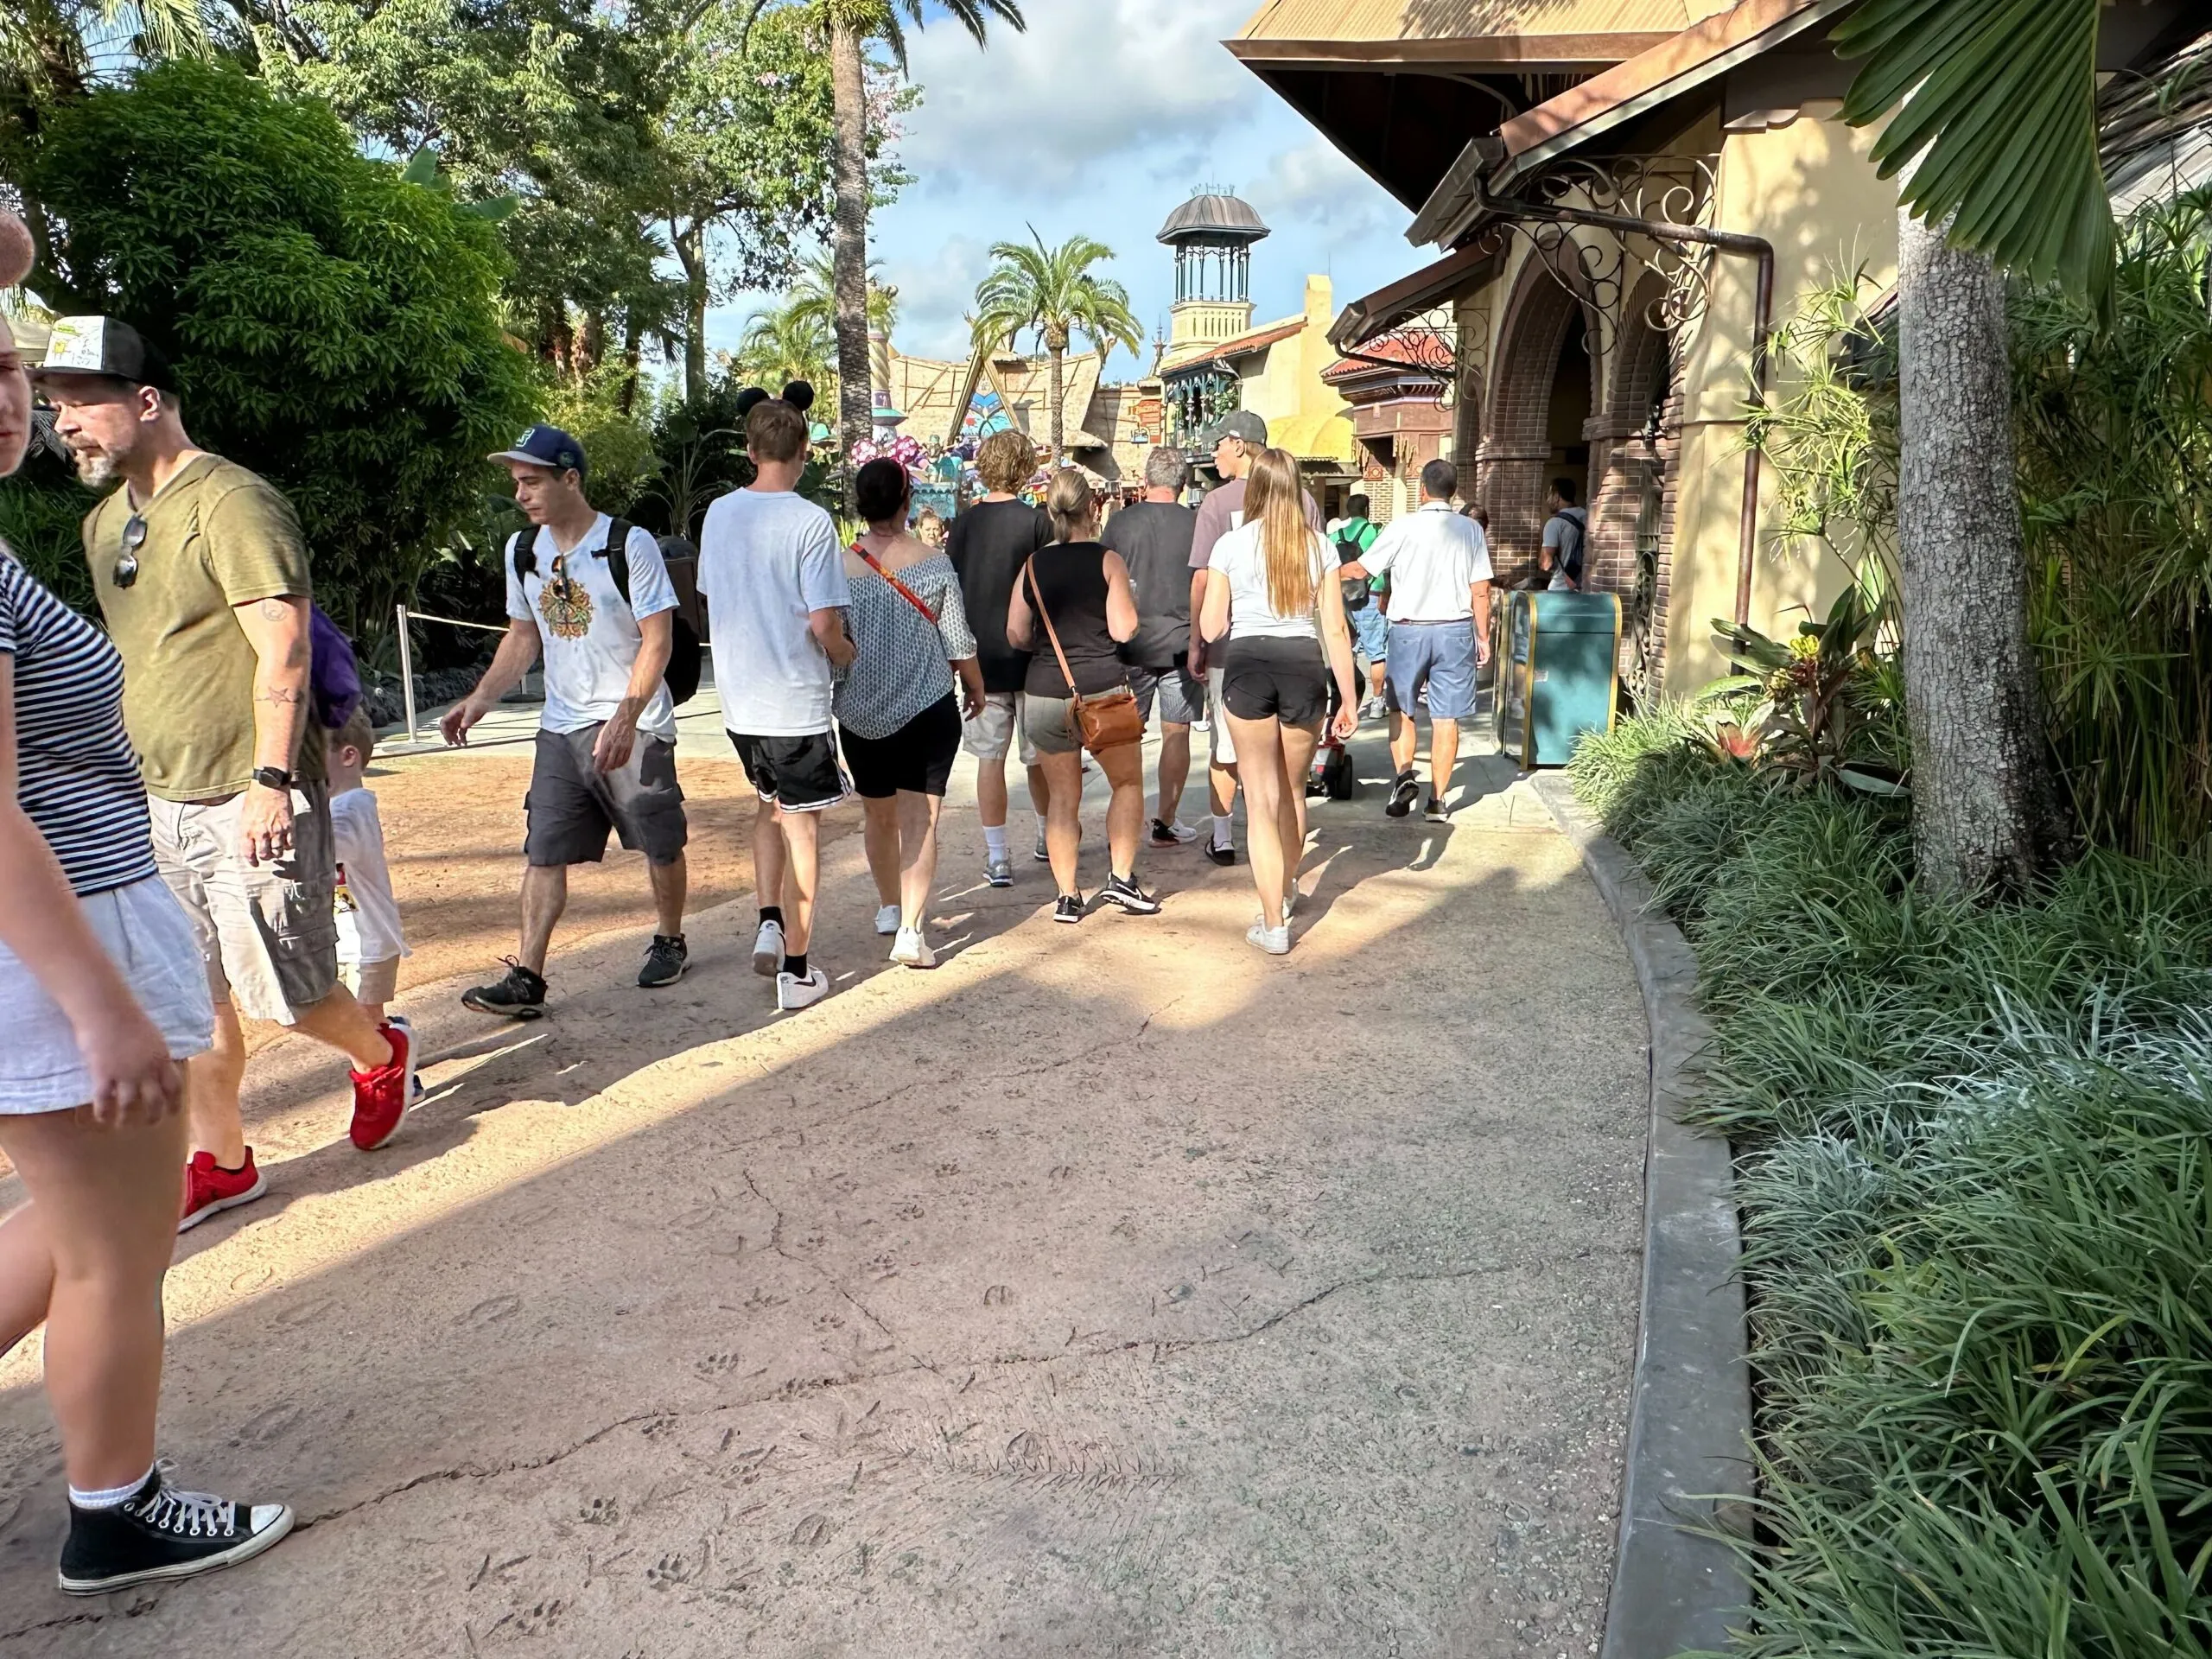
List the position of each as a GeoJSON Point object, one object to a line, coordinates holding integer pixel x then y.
{"type": "Point", "coordinates": [202, 576]}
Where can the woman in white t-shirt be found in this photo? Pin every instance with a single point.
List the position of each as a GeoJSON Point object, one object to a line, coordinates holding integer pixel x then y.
{"type": "Point", "coordinates": [1286, 633]}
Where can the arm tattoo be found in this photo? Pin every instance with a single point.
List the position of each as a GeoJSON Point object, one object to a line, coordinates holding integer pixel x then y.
{"type": "Point", "coordinates": [275, 609]}
{"type": "Point", "coordinates": [283, 694]}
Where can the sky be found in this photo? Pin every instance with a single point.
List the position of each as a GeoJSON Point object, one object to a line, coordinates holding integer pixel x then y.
{"type": "Point", "coordinates": [1100, 119]}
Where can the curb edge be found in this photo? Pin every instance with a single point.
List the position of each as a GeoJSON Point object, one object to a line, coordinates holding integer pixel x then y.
{"type": "Point", "coordinates": [1690, 1417]}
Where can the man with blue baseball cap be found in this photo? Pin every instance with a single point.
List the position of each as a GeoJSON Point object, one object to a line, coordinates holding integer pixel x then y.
{"type": "Point", "coordinates": [592, 595]}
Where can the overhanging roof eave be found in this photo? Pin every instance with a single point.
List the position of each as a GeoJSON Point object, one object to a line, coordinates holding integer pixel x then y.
{"type": "Point", "coordinates": [1378, 313]}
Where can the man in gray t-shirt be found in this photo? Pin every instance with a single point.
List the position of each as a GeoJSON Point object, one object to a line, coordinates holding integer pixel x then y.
{"type": "Point", "coordinates": [1152, 536]}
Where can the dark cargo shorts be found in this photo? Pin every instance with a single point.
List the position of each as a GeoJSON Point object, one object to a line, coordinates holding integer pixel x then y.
{"type": "Point", "coordinates": [573, 805]}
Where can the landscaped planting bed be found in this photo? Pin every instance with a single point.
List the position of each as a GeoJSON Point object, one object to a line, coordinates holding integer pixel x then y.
{"type": "Point", "coordinates": [1973, 1146]}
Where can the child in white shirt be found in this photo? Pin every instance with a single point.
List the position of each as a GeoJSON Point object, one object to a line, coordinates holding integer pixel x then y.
{"type": "Point", "coordinates": [370, 942]}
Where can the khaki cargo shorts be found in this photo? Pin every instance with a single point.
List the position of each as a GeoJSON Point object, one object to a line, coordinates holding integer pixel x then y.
{"type": "Point", "coordinates": [267, 933]}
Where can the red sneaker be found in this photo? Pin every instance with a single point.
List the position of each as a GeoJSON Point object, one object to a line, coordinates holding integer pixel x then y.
{"type": "Point", "coordinates": [381, 1097]}
{"type": "Point", "coordinates": [209, 1189]}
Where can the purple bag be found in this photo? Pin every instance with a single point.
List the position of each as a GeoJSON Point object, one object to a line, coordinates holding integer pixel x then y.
{"type": "Point", "coordinates": [333, 677]}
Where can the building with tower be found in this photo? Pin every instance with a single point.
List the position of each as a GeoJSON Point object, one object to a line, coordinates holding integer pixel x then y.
{"type": "Point", "coordinates": [1215, 359]}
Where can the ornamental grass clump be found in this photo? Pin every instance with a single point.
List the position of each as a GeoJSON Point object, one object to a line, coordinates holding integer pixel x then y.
{"type": "Point", "coordinates": [1974, 1159]}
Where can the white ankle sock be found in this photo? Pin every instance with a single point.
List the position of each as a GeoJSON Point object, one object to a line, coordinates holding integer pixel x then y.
{"type": "Point", "coordinates": [1221, 831]}
{"type": "Point", "coordinates": [113, 1498]}
{"type": "Point", "coordinates": [995, 841]}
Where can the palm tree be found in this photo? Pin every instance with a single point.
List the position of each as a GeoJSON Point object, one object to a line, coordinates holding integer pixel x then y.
{"type": "Point", "coordinates": [1053, 291]}
{"type": "Point", "coordinates": [790, 342]}
{"type": "Point", "coordinates": [1993, 107]}
{"type": "Point", "coordinates": [814, 292]}
{"type": "Point", "coordinates": [849, 26]}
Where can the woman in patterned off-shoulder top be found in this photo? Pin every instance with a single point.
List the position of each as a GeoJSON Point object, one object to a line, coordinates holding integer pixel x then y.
{"type": "Point", "coordinates": [897, 711]}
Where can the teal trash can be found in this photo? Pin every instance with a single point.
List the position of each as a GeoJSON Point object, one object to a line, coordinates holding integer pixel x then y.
{"type": "Point", "coordinates": [1558, 657]}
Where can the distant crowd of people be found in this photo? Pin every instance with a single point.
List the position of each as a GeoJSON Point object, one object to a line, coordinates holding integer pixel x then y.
{"type": "Point", "coordinates": [186, 840]}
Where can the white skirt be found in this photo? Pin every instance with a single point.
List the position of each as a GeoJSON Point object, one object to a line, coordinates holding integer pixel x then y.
{"type": "Point", "coordinates": [144, 931]}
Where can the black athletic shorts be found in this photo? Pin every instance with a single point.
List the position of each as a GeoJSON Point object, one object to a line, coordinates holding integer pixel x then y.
{"type": "Point", "coordinates": [800, 774]}
{"type": "Point", "coordinates": [1285, 679]}
{"type": "Point", "coordinates": [917, 757]}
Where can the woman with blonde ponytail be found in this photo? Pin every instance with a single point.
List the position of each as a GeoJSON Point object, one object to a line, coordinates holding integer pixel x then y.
{"type": "Point", "coordinates": [1286, 634]}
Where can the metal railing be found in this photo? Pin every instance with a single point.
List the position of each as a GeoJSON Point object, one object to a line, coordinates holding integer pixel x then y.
{"type": "Point", "coordinates": [407, 655]}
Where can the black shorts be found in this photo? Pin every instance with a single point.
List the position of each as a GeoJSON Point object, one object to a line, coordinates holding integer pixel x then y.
{"type": "Point", "coordinates": [1284, 678]}
{"type": "Point", "coordinates": [799, 774]}
{"type": "Point", "coordinates": [573, 805]}
{"type": "Point", "coordinates": [918, 757]}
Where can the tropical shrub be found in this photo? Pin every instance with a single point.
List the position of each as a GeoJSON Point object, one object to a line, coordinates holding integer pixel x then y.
{"type": "Point", "coordinates": [333, 325]}
{"type": "Point", "coordinates": [1971, 1146]}
{"type": "Point", "coordinates": [1828, 710]}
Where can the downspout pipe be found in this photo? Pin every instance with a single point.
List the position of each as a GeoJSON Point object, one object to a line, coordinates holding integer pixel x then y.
{"type": "Point", "coordinates": [1659, 230]}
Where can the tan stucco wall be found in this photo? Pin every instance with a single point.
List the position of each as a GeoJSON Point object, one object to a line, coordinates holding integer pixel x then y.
{"type": "Point", "coordinates": [1283, 385]}
{"type": "Point", "coordinates": [1809, 189]}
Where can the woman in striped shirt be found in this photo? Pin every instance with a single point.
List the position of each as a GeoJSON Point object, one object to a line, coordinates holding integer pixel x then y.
{"type": "Point", "coordinates": [103, 993]}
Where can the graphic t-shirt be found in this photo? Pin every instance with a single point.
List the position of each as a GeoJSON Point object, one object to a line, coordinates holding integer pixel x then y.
{"type": "Point", "coordinates": [217, 538]}
{"type": "Point", "coordinates": [368, 915]}
{"type": "Point", "coordinates": [76, 778]}
{"type": "Point", "coordinates": [1154, 538]}
{"type": "Point", "coordinates": [767, 559]}
{"type": "Point", "coordinates": [590, 637]}
{"type": "Point", "coordinates": [988, 545]}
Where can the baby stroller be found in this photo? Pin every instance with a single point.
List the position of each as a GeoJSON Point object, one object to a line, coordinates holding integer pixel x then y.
{"type": "Point", "coordinates": [1332, 773]}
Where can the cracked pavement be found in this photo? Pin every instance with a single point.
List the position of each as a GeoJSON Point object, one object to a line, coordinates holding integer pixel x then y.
{"type": "Point", "coordinates": [1109, 1290]}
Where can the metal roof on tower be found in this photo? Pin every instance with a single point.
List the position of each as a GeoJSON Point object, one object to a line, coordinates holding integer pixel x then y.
{"type": "Point", "coordinates": [1216, 216]}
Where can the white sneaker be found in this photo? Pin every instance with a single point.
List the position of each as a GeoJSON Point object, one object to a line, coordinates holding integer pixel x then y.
{"type": "Point", "coordinates": [1182, 832]}
{"type": "Point", "coordinates": [887, 920]}
{"type": "Point", "coordinates": [793, 993]}
{"type": "Point", "coordinates": [1276, 941]}
{"type": "Point", "coordinates": [768, 949]}
{"type": "Point", "coordinates": [910, 950]}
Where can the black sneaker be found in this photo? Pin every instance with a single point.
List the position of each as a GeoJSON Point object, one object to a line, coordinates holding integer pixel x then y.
{"type": "Point", "coordinates": [664, 963]}
{"type": "Point", "coordinates": [1434, 811]}
{"type": "Point", "coordinates": [1124, 891]}
{"type": "Point", "coordinates": [159, 1533]}
{"type": "Point", "coordinates": [1221, 853]}
{"type": "Point", "coordinates": [1403, 794]}
{"type": "Point", "coordinates": [520, 995]}
{"type": "Point", "coordinates": [1068, 908]}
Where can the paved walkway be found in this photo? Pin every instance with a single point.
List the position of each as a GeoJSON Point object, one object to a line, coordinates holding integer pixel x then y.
{"type": "Point", "coordinates": [1110, 1290]}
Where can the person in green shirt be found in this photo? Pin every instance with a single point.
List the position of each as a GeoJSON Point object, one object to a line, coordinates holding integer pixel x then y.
{"type": "Point", "coordinates": [1370, 628]}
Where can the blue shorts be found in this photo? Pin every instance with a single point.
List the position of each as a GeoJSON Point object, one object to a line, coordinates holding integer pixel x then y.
{"type": "Point", "coordinates": [1370, 631]}
{"type": "Point", "coordinates": [1440, 654]}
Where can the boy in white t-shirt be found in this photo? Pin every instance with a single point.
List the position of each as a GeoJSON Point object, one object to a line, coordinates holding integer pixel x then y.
{"type": "Point", "coordinates": [370, 940]}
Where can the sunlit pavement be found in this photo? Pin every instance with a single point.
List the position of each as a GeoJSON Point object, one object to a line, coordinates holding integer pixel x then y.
{"type": "Point", "coordinates": [1109, 1289]}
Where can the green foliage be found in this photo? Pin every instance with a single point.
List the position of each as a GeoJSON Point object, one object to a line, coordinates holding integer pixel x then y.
{"type": "Point", "coordinates": [790, 342]}
{"type": "Point", "coordinates": [618, 445]}
{"type": "Point", "coordinates": [1993, 114]}
{"type": "Point", "coordinates": [1972, 1145]}
{"type": "Point", "coordinates": [2115, 459]}
{"type": "Point", "coordinates": [1830, 710]}
{"type": "Point", "coordinates": [333, 326]}
{"type": "Point", "coordinates": [1054, 291]}
{"type": "Point", "coordinates": [41, 508]}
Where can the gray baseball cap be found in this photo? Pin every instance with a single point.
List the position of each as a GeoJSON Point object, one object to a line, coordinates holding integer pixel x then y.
{"type": "Point", "coordinates": [1238, 423]}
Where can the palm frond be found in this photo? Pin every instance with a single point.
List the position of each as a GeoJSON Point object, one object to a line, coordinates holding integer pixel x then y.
{"type": "Point", "coordinates": [1993, 122]}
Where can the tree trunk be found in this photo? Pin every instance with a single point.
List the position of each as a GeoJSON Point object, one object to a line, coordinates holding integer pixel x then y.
{"type": "Point", "coordinates": [1059, 404]}
{"type": "Point", "coordinates": [690, 246]}
{"type": "Point", "coordinates": [849, 245]}
{"type": "Point", "coordinates": [591, 345]}
{"type": "Point", "coordinates": [628, 400]}
{"type": "Point", "coordinates": [1986, 815]}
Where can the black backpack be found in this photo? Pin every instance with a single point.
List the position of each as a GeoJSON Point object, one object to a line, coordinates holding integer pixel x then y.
{"type": "Point", "coordinates": [1349, 551]}
{"type": "Point", "coordinates": [681, 674]}
{"type": "Point", "coordinates": [1570, 546]}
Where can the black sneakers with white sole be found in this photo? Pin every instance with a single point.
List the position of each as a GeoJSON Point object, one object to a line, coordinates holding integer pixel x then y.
{"type": "Point", "coordinates": [1068, 907]}
{"type": "Point", "coordinates": [1124, 891]}
{"type": "Point", "coordinates": [160, 1534]}
{"type": "Point", "coordinates": [1403, 793]}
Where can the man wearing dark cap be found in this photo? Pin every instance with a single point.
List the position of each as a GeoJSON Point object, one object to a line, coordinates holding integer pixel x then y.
{"type": "Point", "coordinates": [1236, 441]}
{"type": "Point", "coordinates": [202, 576]}
{"type": "Point", "coordinates": [606, 758]}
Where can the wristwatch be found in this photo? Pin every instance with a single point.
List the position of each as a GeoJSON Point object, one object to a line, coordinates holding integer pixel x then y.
{"type": "Point", "coordinates": [270, 777]}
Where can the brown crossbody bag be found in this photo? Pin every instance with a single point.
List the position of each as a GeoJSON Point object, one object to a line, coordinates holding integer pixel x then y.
{"type": "Point", "coordinates": [1105, 719]}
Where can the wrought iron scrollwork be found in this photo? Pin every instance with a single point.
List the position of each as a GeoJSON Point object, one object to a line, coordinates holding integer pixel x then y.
{"type": "Point", "coordinates": [1675, 189]}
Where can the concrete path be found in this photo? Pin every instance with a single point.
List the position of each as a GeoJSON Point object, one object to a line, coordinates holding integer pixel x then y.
{"type": "Point", "coordinates": [1110, 1290]}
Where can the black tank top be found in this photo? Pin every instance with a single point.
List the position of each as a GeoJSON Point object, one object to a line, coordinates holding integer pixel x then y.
{"type": "Point", "coordinates": [1071, 583]}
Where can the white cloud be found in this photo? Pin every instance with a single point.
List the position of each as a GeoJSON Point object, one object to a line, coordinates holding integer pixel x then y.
{"type": "Point", "coordinates": [1315, 184]}
{"type": "Point", "coordinates": [937, 287]}
{"type": "Point", "coordinates": [1070, 97]}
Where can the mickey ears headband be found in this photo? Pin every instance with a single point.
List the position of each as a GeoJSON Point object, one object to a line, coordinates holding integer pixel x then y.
{"type": "Point", "coordinates": [797, 393]}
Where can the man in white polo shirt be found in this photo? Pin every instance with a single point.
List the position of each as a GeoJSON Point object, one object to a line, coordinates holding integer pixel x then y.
{"type": "Point", "coordinates": [1438, 566]}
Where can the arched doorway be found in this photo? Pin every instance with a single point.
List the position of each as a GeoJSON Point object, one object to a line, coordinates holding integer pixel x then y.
{"type": "Point", "coordinates": [1542, 390]}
